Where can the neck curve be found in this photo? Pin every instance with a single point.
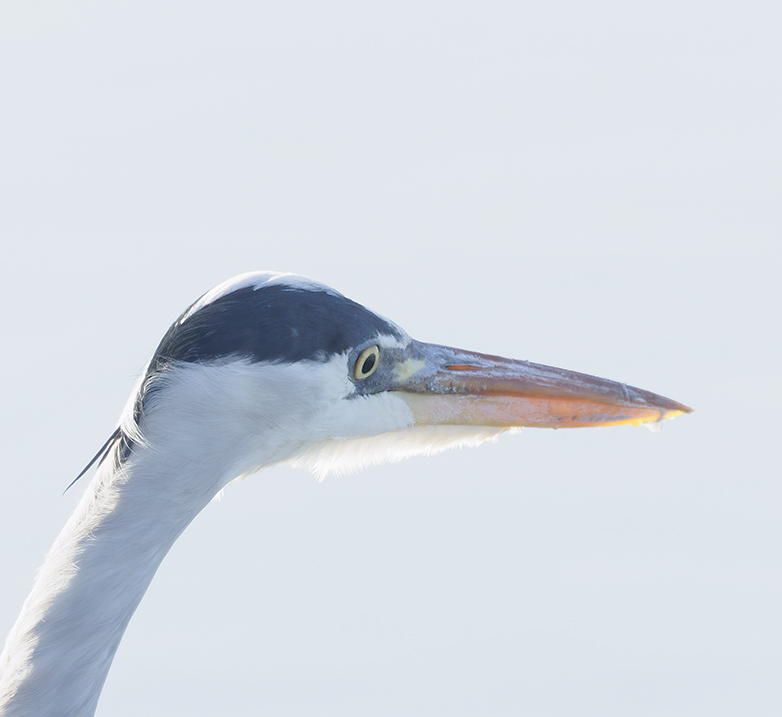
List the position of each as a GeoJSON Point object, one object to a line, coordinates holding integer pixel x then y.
{"type": "Point", "coordinates": [59, 651]}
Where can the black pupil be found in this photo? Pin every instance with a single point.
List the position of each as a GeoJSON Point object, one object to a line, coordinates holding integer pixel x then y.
{"type": "Point", "coordinates": [369, 363]}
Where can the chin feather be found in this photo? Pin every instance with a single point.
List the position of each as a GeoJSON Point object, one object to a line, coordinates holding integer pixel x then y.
{"type": "Point", "coordinates": [338, 457]}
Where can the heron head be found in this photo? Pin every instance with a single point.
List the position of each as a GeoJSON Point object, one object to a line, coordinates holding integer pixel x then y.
{"type": "Point", "coordinates": [287, 370]}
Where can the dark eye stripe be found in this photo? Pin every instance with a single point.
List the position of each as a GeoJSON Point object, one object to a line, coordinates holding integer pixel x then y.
{"type": "Point", "coordinates": [272, 323]}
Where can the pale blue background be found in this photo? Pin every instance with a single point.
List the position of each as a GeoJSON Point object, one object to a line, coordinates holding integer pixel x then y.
{"type": "Point", "coordinates": [592, 185]}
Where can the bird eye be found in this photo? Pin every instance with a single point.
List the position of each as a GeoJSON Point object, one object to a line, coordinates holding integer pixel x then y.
{"type": "Point", "coordinates": [366, 362]}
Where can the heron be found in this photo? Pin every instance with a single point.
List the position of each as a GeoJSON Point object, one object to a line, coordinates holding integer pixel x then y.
{"type": "Point", "coordinates": [264, 369]}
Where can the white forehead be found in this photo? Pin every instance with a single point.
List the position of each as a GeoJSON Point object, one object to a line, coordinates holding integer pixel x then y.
{"type": "Point", "coordinates": [256, 280]}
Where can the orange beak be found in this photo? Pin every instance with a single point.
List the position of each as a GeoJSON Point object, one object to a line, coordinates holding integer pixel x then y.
{"type": "Point", "coordinates": [443, 385]}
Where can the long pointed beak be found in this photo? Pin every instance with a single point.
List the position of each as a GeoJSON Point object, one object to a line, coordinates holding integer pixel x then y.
{"type": "Point", "coordinates": [443, 385]}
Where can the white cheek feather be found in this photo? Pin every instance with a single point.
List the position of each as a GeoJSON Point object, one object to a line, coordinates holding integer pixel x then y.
{"type": "Point", "coordinates": [242, 416]}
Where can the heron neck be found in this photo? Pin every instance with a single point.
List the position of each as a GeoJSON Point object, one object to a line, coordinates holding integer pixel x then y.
{"type": "Point", "coordinates": [59, 652]}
